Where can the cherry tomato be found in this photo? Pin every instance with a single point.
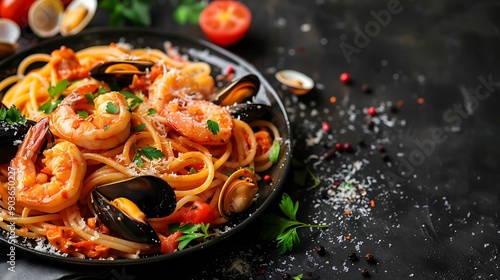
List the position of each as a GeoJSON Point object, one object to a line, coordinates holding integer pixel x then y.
{"type": "Point", "coordinates": [16, 10]}
{"type": "Point", "coordinates": [169, 245]}
{"type": "Point", "coordinates": [199, 212]}
{"type": "Point", "coordinates": [225, 22]}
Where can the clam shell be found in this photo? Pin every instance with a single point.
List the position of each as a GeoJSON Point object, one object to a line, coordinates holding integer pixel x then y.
{"type": "Point", "coordinates": [44, 17]}
{"type": "Point", "coordinates": [77, 16]}
{"type": "Point", "coordinates": [9, 34]}
{"type": "Point", "coordinates": [296, 82]}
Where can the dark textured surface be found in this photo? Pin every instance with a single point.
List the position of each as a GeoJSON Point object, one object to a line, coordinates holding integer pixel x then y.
{"type": "Point", "coordinates": [436, 212]}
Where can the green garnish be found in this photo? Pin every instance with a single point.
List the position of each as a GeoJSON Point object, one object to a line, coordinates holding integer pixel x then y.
{"type": "Point", "coordinates": [213, 126]}
{"type": "Point", "coordinates": [106, 127]}
{"type": "Point", "coordinates": [152, 111]}
{"type": "Point", "coordinates": [59, 88]}
{"type": "Point", "coordinates": [301, 176]}
{"type": "Point", "coordinates": [192, 171]}
{"type": "Point", "coordinates": [139, 127]}
{"type": "Point", "coordinates": [55, 92]}
{"type": "Point", "coordinates": [112, 108]}
{"type": "Point", "coordinates": [188, 11]}
{"type": "Point", "coordinates": [190, 232]}
{"type": "Point", "coordinates": [83, 114]}
{"type": "Point", "coordinates": [298, 277]}
{"type": "Point", "coordinates": [138, 159]}
{"type": "Point", "coordinates": [12, 115]}
{"type": "Point", "coordinates": [285, 230]}
{"type": "Point", "coordinates": [120, 12]}
{"type": "Point", "coordinates": [152, 152]}
{"type": "Point", "coordinates": [90, 98]}
{"type": "Point", "coordinates": [275, 151]}
{"type": "Point", "coordinates": [136, 100]}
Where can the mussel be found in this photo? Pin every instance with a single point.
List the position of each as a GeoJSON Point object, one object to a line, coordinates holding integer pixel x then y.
{"type": "Point", "coordinates": [238, 91]}
{"type": "Point", "coordinates": [124, 205]}
{"type": "Point", "coordinates": [120, 71]}
{"type": "Point", "coordinates": [238, 193]}
{"type": "Point", "coordinates": [248, 111]}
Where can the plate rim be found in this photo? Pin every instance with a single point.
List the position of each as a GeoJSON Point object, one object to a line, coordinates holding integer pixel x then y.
{"type": "Point", "coordinates": [199, 247]}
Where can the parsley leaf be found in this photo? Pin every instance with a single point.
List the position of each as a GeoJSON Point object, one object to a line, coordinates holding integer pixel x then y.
{"type": "Point", "coordinates": [152, 111]}
{"type": "Point", "coordinates": [49, 106]}
{"type": "Point", "coordinates": [152, 152]}
{"type": "Point", "coordinates": [112, 108]}
{"type": "Point", "coordinates": [58, 88]}
{"type": "Point", "coordinates": [213, 126]}
{"type": "Point", "coordinates": [83, 114]}
{"type": "Point", "coordinates": [139, 127]}
{"type": "Point", "coordinates": [301, 176]}
{"type": "Point", "coordinates": [284, 230]}
{"type": "Point", "coordinates": [136, 100]}
{"type": "Point", "coordinates": [12, 115]}
{"type": "Point", "coordinates": [188, 11]}
{"type": "Point", "coordinates": [134, 11]}
{"type": "Point", "coordinates": [106, 127]}
{"type": "Point", "coordinates": [275, 151]}
{"type": "Point", "coordinates": [190, 232]}
{"type": "Point", "coordinates": [138, 160]}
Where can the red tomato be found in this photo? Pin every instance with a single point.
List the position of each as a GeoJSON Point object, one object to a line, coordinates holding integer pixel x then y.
{"type": "Point", "coordinates": [169, 245]}
{"type": "Point", "coordinates": [225, 22]}
{"type": "Point", "coordinates": [199, 212]}
{"type": "Point", "coordinates": [16, 10]}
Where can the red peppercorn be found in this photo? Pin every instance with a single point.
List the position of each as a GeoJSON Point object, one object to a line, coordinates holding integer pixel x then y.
{"type": "Point", "coordinates": [372, 111]}
{"type": "Point", "coordinates": [347, 146]}
{"type": "Point", "coordinates": [338, 147]}
{"type": "Point", "coordinates": [345, 78]}
{"type": "Point", "coordinates": [267, 178]}
{"type": "Point", "coordinates": [325, 126]}
{"type": "Point", "coordinates": [230, 69]}
{"type": "Point", "coordinates": [260, 271]}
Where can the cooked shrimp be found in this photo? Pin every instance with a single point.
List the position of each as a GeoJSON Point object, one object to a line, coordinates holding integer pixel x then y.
{"type": "Point", "coordinates": [55, 186]}
{"type": "Point", "coordinates": [106, 126]}
{"type": "Point", "coordinates": [67, 65]}
{"type": "Point", "coordinates": [170, 85]}
{"type": "Point", "coordinates": [190, 118]}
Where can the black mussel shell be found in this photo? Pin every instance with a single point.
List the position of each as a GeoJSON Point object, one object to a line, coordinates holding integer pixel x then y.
{"type": "Point", "coordinates": [248, 112]}
{"type": "Point", "coordinates": [120, 223]}
{"type": "Point", "coordinates": [124, 77]}
{"type": "Point", "coordinates": [154, 197]}
{"type": "Point", "coordinates": [151, 194]}
{"type": "Point", "coordinates": [240, 90]}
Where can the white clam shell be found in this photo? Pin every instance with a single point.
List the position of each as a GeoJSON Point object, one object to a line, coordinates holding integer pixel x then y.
{"type": "Point", "coordinates": [44, 17]}
{"type": "Point", "coordinates": [9, 34]}
{"type": "Point", "coordinates": [48, 18]}
{"type": "Point", "coordinates": [298, 83]}
{"type": "Point", "coordinates": [70, 15]}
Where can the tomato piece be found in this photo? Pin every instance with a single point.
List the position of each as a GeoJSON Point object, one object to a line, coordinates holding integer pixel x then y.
{"type": "Point", "coordinates": [264, 142]}
{"type": "Point", "coordinates": [169, 244]}
{"type": "Point", "coordinates": [225, 22]}
{"type": "Point", "coordinates": [68, 241]}
{"type": "Point", "coordinates": [16, 10]}
{"type": "Point", "coordinates": [199, 212]}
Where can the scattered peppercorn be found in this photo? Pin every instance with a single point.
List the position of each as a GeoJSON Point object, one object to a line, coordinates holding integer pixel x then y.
{"type": "Point", "coordinates": [345, 78]}
{"type": "Point", "coordinates": [381, 148]}
{"type": "Point", "coordinates": [366, 88]}
{"type": "Point", "coordinates": [287, 276]}
{"type": "Point", "coordinates": [329, 154]}
{"type": "Point", "coordinates": [365, 272]}
{"type": "Point", "coordinates": [229, 69]}
{"type": "Point", "coordinates": [370, 123]}
{"type": "Point", "coordinates": [372, 111]}
{"type": "Point", "coordinates": [352, 257]}
{"type": "Point", "coordinates": [260, 271]}
{"type": "Point", "coordinates": [386, 158]}
{"type": "Point", "coordinates": [347, 147]}
{"type": "Point", "coordinates": [361, 143]}
{"type": "Point", "coordinates": [320, 250]}
{"type": "Point", "coordinates": [393, 109]}
{"type": "Point", "coordinates": [325, 127]}
{"type": "Point", "coordinates": [267, 178]}
{"type": "Point", "coordinates": [370, 258]}
{"type": "Point", "coordinates": [338, 146]}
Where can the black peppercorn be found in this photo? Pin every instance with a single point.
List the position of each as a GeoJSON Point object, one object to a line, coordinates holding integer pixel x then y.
{"type": "Point", "coordinates": [370, 258]}
{"type": "Point", "coordinates": [381, 148]}
{"type": "Point", "coordinates": [287, 276]}
{"type": "Point", "coordinates": [366, 88]}
{"type": "Point", "coordinates": [365, 272]}
{"type": "Point", "coordinates": [320, 250]}
{"type": "Point", "coordinates": [386, 158]}
{"type": "Point", "coordinates": [370, 123]}
{"type": "Point", "coordinates": [352, 257]}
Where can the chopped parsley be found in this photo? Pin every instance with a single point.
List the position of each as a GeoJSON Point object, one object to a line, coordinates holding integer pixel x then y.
{"type": "Point", "coordinates": [112, 108]}
{"type": "Point", "coordinates": [190, 232]}
{"type": "Point", "coordinates": [83, 114]}
{"type": "Point", "coordinates": [135, 100]}
{"type": "Point", "coordinates": [56, 97]}
{"type": "Point", "coordinates": [149, 152]}
{"type": "Point", "coordinates": [275, 152]}
{"type": "Point", "coordinates": [152, 111]}
{"type": "Point", "coordinates": [139, 127]}
{"type": "Point", "coordinates": [12, 115]}
{"type": "Point", "coordinates": [213, 126]}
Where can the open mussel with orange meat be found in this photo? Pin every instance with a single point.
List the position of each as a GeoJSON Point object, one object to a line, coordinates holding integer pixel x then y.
{"type": "Point", "coordinates": [124, 205]}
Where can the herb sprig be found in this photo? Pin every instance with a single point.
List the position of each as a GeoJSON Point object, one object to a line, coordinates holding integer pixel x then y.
{"type": "Point", "coordinates": [56, 96]}
{"type": "Point", "coordinates": [191, 232]}
{"type": "Point", "coordinates": [284, 230]}
{"type": "Point", "coordinates": [149, 152]}
{"type": "Point", "coordinates": [134, 11]}
{"type": "Point", "coordinates": [302, 175]}
{"type": "Point", "coordinates": [213, 126]}
{"type": "Point", "coordinates": [12, 115]}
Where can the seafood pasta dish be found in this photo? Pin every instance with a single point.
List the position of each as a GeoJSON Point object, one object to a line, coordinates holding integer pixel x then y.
{"type": "Point", "coordinates": [114, 152]}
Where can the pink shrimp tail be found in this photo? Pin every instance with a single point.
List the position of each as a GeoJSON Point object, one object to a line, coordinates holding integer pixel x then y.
{"type": "Point", "coordinates": [34, 139]}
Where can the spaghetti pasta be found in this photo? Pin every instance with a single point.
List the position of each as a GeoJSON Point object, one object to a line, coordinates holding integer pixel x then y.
{"type": "Point", "coordinates": [159, 124]}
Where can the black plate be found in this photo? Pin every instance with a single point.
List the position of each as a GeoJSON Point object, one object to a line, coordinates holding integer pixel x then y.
{"type": "Point", "coordinates": [197, 50]}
